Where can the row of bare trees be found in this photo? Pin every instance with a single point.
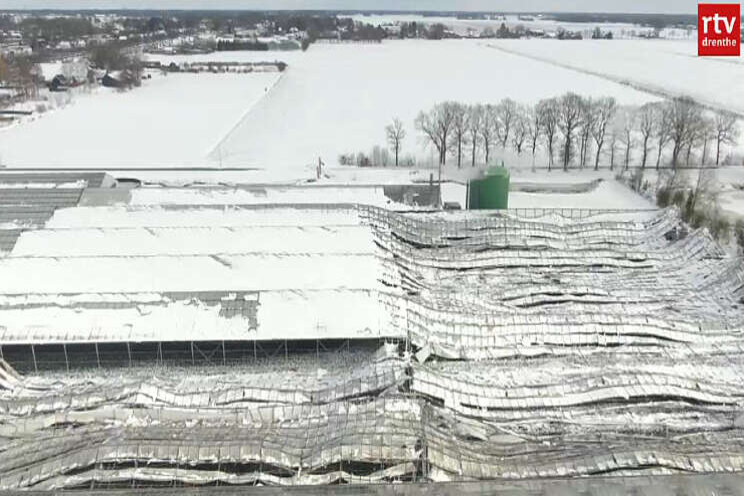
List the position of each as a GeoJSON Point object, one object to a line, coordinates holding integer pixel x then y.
{"type": "Point", "coordinates": [21, 73]}
{"type": "Point", "coordinates": [575, 130]}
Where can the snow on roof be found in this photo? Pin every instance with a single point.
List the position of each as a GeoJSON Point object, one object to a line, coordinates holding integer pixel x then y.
{"type": "Point", "coordinates": [201, 216]}
{"type": "Point", "coordinates": [191, 316]}
{"type": "Point", "coordinates": [367, 195]}
{"type": "Point", "coordinates": [76, 281]}
{"type": "Point", "coordinates": [188, 273]}
{"type": "Point", "coordinates": [152, 241]}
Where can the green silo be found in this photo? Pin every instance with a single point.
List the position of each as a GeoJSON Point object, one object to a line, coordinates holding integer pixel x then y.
{"type": "Point", "coordinates": [491, 192]}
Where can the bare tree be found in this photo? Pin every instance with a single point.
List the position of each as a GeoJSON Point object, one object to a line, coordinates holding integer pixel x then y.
{"type": "Point", "coordinates": [647, 116]}
{"type": "Point", "coordinates": [548, 111]}
{"type": "Point", "coordinates": [507, 114]}
{"type": "Point", "coordinates": [588, 116]}
{"type": "Point", "coordinates": [4, 70]}
{"type": "Point", "coordinates": [684, 116]}
{"type": "Point", "coordinates": [489, 129]}
{"type": "Point", "coordinates": [436, 125]}
{"type": "Point", "coordinates": [569, 119]}
{"type": "Point", "coordinates": [460, 126]}
{"type": "Point", "coordinates": [704, 134]}
{"type": "Point", "coordinates": [534, 130]}
{"type": "Point", "coordinates": [662, 129]}
{"type": "Point", "coordinates": [23, 73]}
{"type": "Point", "coordinates": [726, 131]}
{"type": "Point", "coordinates": [521, 129]}
{"type": "Point", "coordinates": [395, 136]}
{"type": "Point", "coordinates": [605, 109]}
{"type": "Point", "coordinates": [475, 121]}
{"type": "Point", "coordinates": [626, 124]}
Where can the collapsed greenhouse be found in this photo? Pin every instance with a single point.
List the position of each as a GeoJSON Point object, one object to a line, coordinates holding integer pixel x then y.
{"type": "Point", "coordinates": [433, 347]}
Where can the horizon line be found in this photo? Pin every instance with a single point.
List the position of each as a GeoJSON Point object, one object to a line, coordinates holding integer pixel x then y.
{"type": "Point", "coordinates": [375, 11]}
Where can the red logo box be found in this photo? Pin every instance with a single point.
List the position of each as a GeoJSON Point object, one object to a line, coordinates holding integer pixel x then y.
{"type": "Point", "coordinates": [719, 29]}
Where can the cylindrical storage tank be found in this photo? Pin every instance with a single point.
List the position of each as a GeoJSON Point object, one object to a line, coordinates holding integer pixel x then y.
{"type": "Point", "coordinates": [491, 192]}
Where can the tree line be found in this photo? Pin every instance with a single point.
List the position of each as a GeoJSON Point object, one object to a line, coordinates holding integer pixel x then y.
{"type": "Point", "coordinates": [20, 73]}
{"type": "Point", "coordinates": [573, 130]}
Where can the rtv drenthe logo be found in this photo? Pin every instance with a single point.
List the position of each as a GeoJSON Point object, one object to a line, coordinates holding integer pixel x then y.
{"type": "Point", "coordinates": [719, 29]}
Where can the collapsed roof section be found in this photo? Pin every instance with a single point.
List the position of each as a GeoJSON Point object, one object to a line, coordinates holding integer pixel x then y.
{"type": "Point", "coordinates": [306, 420]}
{"type": "Point", "coordinates": [497, 285]}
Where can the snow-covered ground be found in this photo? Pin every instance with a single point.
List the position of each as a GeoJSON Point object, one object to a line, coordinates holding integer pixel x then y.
{"type": "Point", "coordinates": [173, 120]}
{"type": "Point", "coordinates": [333, 99]}
{"type": "Point", "coordinates": [666, 67]}
{"type": "Point", "coordinates": [575, 190]}
{"type": "Point", "coordinates": [339, 98]}
{"type": "Point", "coordinates": [607, 195]}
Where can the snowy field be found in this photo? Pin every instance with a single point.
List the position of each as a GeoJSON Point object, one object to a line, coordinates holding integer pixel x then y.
{"type": "Point", "coordinates": [173, 120]}
{"type": "Point", "coordinates": [332, 99]}
{"type": "Point", "coordinates": [664, 67]}
{"type": "Point", "coordinates": [339, 98]}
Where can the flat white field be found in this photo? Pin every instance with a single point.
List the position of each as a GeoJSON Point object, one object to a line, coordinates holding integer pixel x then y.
{"type": "Point", "coordinates": [173, 120]}
{"type": "Point", "coordinates": [338, 98]}
{"type": "Point", "coordinates": [333, 99]}
{"type": "Point", "coordinates": [662, 66]}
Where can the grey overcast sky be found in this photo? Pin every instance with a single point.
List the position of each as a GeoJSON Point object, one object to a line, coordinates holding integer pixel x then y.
{"type": "Point", "coordinates": [644, 6]}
